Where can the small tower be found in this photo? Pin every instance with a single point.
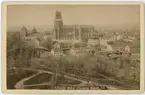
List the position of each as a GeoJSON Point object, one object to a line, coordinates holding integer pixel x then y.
{"type": "Point", "coordinates": [23, 33]}
{"type": "Point", "coordinates": [127, 49]}
{"type": "Point", "coordinates": [115, 34]}
{"type": "Point", "coordinates": [58, 24]}
{"type": "Point", "coordinates": [34, 30]}
{"type": "Point", "coordinates": [80, 33]}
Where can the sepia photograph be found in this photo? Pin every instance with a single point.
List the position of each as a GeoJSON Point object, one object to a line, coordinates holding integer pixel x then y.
{"type": "Point", "coordinates": [73, 47]}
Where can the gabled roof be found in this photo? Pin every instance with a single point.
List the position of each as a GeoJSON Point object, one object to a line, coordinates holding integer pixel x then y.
{"type": "Point", "coordinates": [24, 28]}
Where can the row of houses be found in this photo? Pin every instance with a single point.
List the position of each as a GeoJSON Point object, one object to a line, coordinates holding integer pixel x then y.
{"type": "Point", "coordinates": [100, 44]}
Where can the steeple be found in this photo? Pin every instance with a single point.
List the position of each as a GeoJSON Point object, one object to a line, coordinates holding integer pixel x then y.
{"type": "Point", "coordinates": [23, 33]}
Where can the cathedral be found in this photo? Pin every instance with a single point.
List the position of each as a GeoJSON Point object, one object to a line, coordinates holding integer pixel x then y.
{"type": "Point", "coordinates": [72, 32]}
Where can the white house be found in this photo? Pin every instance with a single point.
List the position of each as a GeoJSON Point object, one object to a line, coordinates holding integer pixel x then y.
{"type": "Point", "coordinates": [127, 49]}
{"type": "Point", "coordinates": [109, 48]}
{"type": "Point", "coordinates": [119, 37]}
{"type": "Point", "coordinates": [93, 41]}
{"type": "Point", "coordinates": [128, 40]}
{"type": "Point", "coordinates": [52, 52]}
{"type": "Point", "coordinates": [131, 38]}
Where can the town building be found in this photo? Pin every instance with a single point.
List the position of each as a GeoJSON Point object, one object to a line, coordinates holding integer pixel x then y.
{"type": "Point", "coordinates": [93, 42]}
{"type": "Point", "coordinates": [31, 40]}
{"type": "Point", "coordinates": [72, 32]}
{"type": "Point", "coordinates": [23, 33]}
{"type": "Point", "coordinates": [127, 49]}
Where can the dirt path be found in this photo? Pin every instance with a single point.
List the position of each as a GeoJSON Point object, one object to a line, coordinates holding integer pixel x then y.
{"type": "Point", "coordinates": [20, 85]}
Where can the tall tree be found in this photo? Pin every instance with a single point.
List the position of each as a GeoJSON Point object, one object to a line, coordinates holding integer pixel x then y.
{"type": "Point", "coordinates": [47, 43]}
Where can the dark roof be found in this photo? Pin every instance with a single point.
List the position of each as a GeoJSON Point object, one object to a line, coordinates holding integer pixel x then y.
{"type": "Point", "coordinates": [34, 30]}
{"type": "Point", "coordinates": [66, 49]}
{"type": "Point", "coordinates": [33, 34]}
{"type": "Point", "coordinates": [54, 42]}
{"type": "Point", "coordinates": [42, 48]}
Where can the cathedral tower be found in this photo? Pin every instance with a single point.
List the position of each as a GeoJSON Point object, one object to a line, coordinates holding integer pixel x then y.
{"type": "Point", "coordinates": [58, 24]}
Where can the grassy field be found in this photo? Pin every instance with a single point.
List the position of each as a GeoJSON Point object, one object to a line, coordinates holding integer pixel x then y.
{"type": "Point", "coordinates": [14, 76]}
{"type": "Point", "coordinates": [41, 78]}
{"type": "Point", "coordinates": [45, 78]}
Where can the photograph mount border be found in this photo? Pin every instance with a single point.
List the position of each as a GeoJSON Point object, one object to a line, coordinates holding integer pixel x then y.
{"type": "Point", "coordinates": [4, 33]}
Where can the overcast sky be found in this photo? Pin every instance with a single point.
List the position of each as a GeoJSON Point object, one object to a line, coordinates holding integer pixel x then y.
{"type": "Point", "coordinates": [43, 16]}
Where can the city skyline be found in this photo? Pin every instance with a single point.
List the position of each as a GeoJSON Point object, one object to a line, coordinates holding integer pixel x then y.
{"type": "Point", "coordinates": [101, 16]}
{"type": "Point", "coordinates": [70, 46]}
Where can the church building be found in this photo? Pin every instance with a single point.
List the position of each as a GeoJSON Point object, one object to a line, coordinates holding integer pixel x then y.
{"type": "Point", "coordinates": [72, 32]}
